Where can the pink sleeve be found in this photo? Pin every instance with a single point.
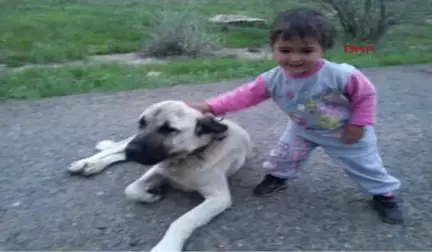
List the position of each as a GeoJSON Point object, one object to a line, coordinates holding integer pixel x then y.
{"type": "Point", "coordinates": [362, 94]}
{"type": "Point", "coordinates": [245, 96]}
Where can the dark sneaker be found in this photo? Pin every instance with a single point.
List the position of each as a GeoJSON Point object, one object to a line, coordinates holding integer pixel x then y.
{"type": "Point", "coordinates": [269, 186]}
{"type": "Point", "coordinates": [388, 209]}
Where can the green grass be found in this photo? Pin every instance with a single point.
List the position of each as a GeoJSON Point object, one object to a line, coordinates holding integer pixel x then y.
{"type": "Point", "coordinates": [49, 82]}
{"type": "Point", "coordinates": [48, 31]}
{"type": "Point", "coordinates": [44, 31]}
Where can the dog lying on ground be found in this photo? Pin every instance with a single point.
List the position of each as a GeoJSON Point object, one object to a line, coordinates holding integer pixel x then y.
{"type": "Point", "coordinates": [185, 149]}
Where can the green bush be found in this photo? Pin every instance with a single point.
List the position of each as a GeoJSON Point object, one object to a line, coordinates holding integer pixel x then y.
{"type": "Point", "coordinates": [181, 33]}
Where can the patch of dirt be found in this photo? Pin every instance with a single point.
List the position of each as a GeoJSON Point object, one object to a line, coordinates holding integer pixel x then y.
{"type": "Point", "coordinates": [244, 53]}
{"type": "Point", "coordinates": [137, 59]}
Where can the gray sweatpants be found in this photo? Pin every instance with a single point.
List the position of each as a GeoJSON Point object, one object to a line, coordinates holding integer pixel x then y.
{"type": "Point", "coordinates": [360, 161]}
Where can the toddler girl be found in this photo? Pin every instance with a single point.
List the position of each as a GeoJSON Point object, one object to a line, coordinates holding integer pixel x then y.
{"type": "Point", "coordinates": [331, 105]}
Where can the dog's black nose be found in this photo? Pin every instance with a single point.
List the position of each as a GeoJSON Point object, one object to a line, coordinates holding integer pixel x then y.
{"type": "Point", "coordinates": [133, 152]}
{"type": "Point", "coordinates": [143, 155]}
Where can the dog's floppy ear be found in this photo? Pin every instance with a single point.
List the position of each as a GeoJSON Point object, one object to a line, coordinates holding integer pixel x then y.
{"type": "Point", "coordinates": [209, 125]}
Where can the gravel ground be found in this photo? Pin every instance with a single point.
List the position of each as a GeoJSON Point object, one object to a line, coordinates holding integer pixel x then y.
{"type": "Point", "coordinates": [44, 208]}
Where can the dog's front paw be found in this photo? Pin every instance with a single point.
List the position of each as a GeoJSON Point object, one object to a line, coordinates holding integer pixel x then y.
{"type": "Point", "coordinates": [143, 194]}
{"type": "Point", "coordinates": [104, 145]}
{"type": "Point", "coordinates": [77, 166]}
{"type": "Point", "coordinates": [86, 167]}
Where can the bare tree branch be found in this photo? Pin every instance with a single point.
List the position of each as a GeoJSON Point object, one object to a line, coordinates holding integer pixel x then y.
{"type": "Point", "coordinates": [370, 20]}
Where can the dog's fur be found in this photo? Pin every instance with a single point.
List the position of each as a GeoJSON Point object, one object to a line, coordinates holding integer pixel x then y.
{"type": "Point", "coordinates": [186, 149]}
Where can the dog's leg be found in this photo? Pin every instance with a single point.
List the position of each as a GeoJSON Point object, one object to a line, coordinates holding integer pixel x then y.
{"type": "Point", "coordinates": [148, 188]}
{"type": "Point", "coordinates": [104, 144]}
{"type": "Point", "coordinates": [99, 161]}
{"type": "Point", "coordinates": [217, 200]}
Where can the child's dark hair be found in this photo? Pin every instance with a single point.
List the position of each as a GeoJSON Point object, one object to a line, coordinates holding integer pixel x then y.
{"type": "Point", "coordinates": [303, 23]}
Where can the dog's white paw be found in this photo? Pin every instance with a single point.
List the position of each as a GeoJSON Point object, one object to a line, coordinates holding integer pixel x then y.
{"type": "Point", "coordinates": [93, 168]}
{"type": "Point", "coordinates": [104, 144]}
{"type": "Point", "coordinates": [86, 167]}
{"type": "Point", "coordinates": [77, 166]}
{"type": "Point", "coordinates": [141, 194]}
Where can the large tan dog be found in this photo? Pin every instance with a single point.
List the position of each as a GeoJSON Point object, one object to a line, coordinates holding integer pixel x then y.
{"type": "Point", "coordinates": [188, 150]}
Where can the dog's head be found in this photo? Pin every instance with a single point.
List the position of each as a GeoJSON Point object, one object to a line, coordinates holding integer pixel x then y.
{"type": "Point", "coordinates": [170, 129]}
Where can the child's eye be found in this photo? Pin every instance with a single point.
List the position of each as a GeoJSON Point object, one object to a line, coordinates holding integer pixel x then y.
{"type": "Point", "coordinates": [308, 50]}
{"type": "Point", "coordinates": [284, 51]}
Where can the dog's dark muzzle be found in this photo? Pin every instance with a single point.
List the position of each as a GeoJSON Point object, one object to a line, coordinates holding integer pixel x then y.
{"type": "Point", "coordinates": [146, 149]}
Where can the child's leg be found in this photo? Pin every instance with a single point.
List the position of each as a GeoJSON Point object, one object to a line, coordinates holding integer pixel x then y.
{"type": "Point", "coordinates": [284, 162]}
{"type": "Point", "coordinates": [362, 163]}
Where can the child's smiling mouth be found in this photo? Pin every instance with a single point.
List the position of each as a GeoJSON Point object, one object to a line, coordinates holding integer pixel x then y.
{"type": "Point", "coordinates": [295, 65]}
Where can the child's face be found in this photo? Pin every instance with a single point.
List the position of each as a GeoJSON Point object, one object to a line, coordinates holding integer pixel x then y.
{"type": "Point", "coordinates": [297, 56]}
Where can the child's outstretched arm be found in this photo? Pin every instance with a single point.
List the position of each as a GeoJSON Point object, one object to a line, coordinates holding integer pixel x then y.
{"type": "Point", "coordinates": [243, 97]}
{"type": "Point", "coordinates": [363, 96]}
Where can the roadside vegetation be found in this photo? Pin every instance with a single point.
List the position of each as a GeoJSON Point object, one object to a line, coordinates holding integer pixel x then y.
{"type": "Point", "coordinates": [39, 32]}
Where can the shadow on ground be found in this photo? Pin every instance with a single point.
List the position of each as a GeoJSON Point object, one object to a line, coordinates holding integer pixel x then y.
{"type": "Point", "coordinates": [43, 208]}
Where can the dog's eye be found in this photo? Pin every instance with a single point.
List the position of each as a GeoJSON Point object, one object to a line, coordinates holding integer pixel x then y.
{"type": "Point", "coordinates": [166, 129]}
{"type": "Point", "coordinates": [142, 123]}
